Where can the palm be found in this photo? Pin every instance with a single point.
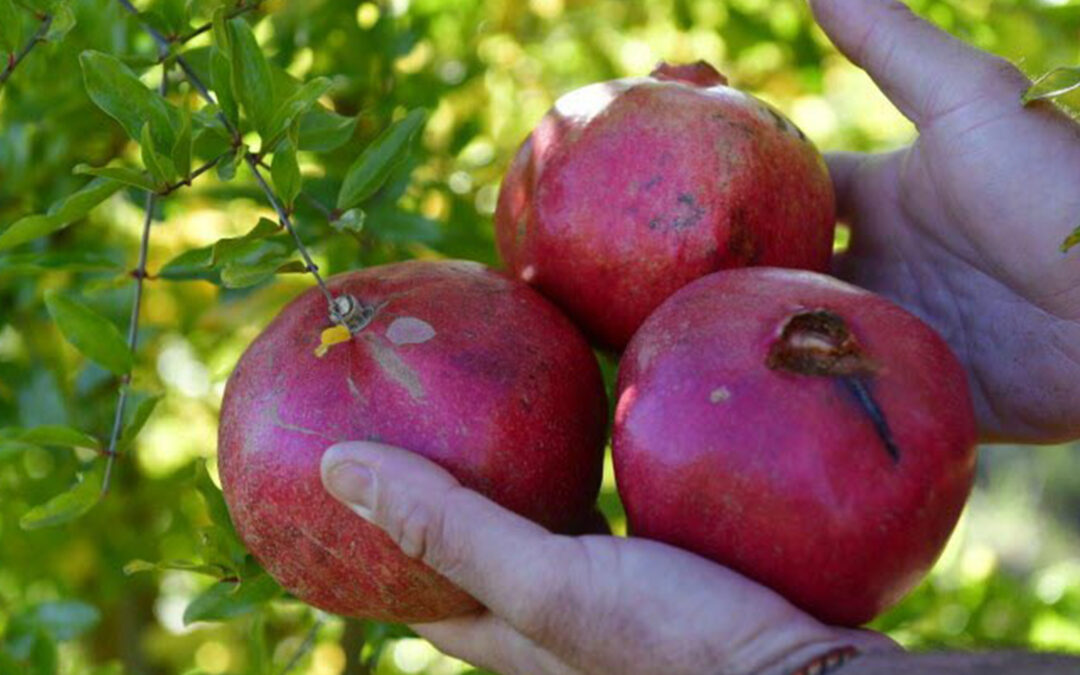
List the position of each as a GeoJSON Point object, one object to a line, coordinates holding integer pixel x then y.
{"type": "Point", "coordinates": [964, 228]}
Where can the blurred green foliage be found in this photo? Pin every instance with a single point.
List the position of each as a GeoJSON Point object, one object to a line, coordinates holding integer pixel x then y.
{"type": "Point", "coordinates": [485, 71]}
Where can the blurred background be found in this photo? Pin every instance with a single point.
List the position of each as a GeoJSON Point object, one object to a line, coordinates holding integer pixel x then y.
{"type": "Point", "coordinates": [486, 70]}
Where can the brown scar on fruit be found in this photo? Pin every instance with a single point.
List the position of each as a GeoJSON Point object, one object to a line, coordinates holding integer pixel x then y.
{"type": "Point", "coordinates": [819, 343]}
{"type": "Point", "coordinates": [396, 369]}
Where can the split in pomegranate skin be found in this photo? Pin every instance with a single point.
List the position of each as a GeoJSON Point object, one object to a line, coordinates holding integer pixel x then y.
{"type": "Point", "coordinates": [808, 434]}
{"type": "Point", "coordinates": [463, 365]}
{"type": "Point", "coordinates": [628, 190]}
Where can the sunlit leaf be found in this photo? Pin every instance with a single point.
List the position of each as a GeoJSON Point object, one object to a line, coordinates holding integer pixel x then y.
{"type": "Point", "coordinates": [121, 174]}
{"type": "Point", "coordinates": [67, 506]}
{"type": "Point", "coordinates": [221, 81]}
{"type": "Point", "coordinates": [1057, 82]}
{"type": "Point", "coordinates": [160, 167]}
{"type": "Point", "coordinates": [120, 93]}
{"type": "Point", "coordinates": [228, 599]}
{"type": "Point", "coordinates": [181, 150]}
{"type": "Point", "coordinates": [136, 566]}
{"type": "Point", "coordinates": [351, 221]}
{"type": "Point", "coordinates": [74, 260]}
{"type": "Point", "coordinates": [92, 334]}
{"type": "Point", "coordinates": [378, 160]}
{"type": "Point", "coordinates": [243, 275]}
{"type": "Point", "coordinates": [59, 215]}
{"type": "Point", "coordinates": [214, 500]}
{"type": "Point", "coordinates": [251, 79]}
{"type": "Point", "coordinates": [63, 20]}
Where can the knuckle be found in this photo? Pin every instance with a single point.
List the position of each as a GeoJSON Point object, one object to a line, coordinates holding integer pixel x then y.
{"type": "Point", "coordinates": [411, 526]}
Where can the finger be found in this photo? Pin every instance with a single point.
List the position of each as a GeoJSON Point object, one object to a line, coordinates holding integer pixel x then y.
{"type": "Point", "coordinates": [842, 168]}
{"type": "Point", "coordinates": [923, 70]}
{"type": "Point", "coordinates": [503, 560]}
{"type": "Point", "coordinates": [488, 641]}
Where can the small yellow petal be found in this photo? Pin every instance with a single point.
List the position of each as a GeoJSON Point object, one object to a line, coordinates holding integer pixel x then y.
{"type": "Point", "coordinates": [331, 337]}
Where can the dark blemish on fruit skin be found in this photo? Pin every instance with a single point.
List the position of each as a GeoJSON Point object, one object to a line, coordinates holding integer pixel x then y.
{"type": "Point", "coordinates": [742, 245]}
{"type": "Point", "coordinates": [652, 182]}
{"type": "Point", "coordinates": [861, 391]}
{"type": "Point", "coordinates": [687, 214]}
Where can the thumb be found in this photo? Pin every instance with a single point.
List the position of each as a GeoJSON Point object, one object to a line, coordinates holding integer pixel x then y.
{"type": "Point", "coordinates": [923, 70]}
{"type": "Point", "coordinates": [492, 553]}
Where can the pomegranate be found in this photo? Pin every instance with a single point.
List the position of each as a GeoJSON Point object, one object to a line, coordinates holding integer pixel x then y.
{"type": "Point", "coordinates": [630, 189]}
{"type": "Point", "coordinates": [808, 434]}
{"type": "Point", "coordinates": [463, 365]}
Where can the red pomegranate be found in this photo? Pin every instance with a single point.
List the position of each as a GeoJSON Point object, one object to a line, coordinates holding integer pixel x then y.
{"type": "Point", "coordinates": [467, 367]}
{"type": "Point", "coordinates": [808, 434]}
{"type": "Point", "coordinates": [628, 190]}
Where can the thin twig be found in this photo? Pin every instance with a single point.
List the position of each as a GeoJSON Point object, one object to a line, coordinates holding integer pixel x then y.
{"type": "Point", "coordinates": [327, 212]}
{"type": "Point", "coordinates": [133, 325]}
{"type": "Point", "coordinates": [237, 11]}
{"type": "Point", "coordinates": [38, 36]}
{"type": "Point", "coordinates": [169, 189]}
{"type": "Point", "coordinates": [283, 216]}
{"type": "Point", "coordinates": [304, 647]}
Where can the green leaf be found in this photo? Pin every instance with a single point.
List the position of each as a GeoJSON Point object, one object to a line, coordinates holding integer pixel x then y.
{"type": "Point", "coordinates": [92, 334]}
{"type": "Point", "coordinates": [220, 30]}
{"type": "Point", "coordinates": [117, 91]}
{"type": "Point", "coordinates": [74, 260]}
{"type": "Point", "coordinates": [9, 449]}
{"type": "Point", "coordinates": [297, 104]}
{"type": "Point", "coordinates": [193, 264]}
{"type": "Point", "coordinates": [350, 221]}
{"type": "Point", "coordinates": [121, 174]}
{"type": "Point", "coordinates": [222, 547]}
{"type": "Point", "coordinates": [137, 422]}
{"type": "Point", "coordinates": [244, 275]}
{"type": "Point", "coordinates": [251, 78]}
{"type": "Point", "coordinates": [67, 506]}
{"type": "Point", "coordinates": [60, 215]}
{"type": "Point", "coordinates": [1057, 82]}
{"type": "Point", "coordinates": [64, 620]}
{"type": "Point", "coordinates": [285, 172]}
{"type": "Point", "coordinates": [181, 150]}
{"type": "Point", "coordinates": [228, 599]}
{"type": "Point", "coordinates": [221, 81]}
{"type": "Point", "coordinates": [378, 160]}
{"type": "Point", "coordinates": [59, 435]}
{"type": "Point", "coordinates": [215, 501]}
{"type": "Point", "coordinates": [234, 248]}
{"type": "Point", "coordinates": [11, 23]}
{"type": "Point", "coordinates": [323, 131]}
{"type": "Point", "coordinates": [63, 20]}
{"type": "Point", "coordinates": [136, 566]}
{"type": "Point", "coordinates": [226, 168]}
{"type": "Point", "coordinates": [160, 167]}
{"type": "Point", "coordinates": [1070, 241]}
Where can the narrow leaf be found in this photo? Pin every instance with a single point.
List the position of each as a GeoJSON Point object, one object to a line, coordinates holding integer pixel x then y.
{"type": "Point", "coordinates": [193, 264]}
{"type": "Point", "coordinates": [297, 104]}
{"type": "Point", "coordinates": [92, 334]}
{"type": "Point", "coordinates": [62, 23]}
{"type": "Point", "coordinates": [1057, 82]}
{"type": "Point", "coordinates": [136, 566]}
{"type": "Point", "coordinates": [155, 163]}
{"type": "Point", "coordinates": [228, 599]}
{"type": "Point", "coordinates": [239, 275]}
{"type": "Point", "coordinates": [285, 172]}
{"type": "Point", "coordinates": [138, 421]}
{"type": "Point", "coordinates": [221, 81]}
{"type": "Point", "coordinates": [226, 168]}
{"type": "Point", "coordinates": [378, 160]}
{"type": "Point", "coordinates": [59, 435]}
{"type": "Point", "coordinates": [71, 260]}
{"type": "Point", "coordinates": [1070, 241]}
{"type": "Point", "coordinates": [60, 215]}
{"type": "Point", "coordinates": [232, 249]}
{"type": "Point", "coordinates": [121, 174]}
{"type": "Point", "coordinates": [67, 506]}
{"type": "Point", "coordinates": [117, 91]}
{"type": "Point", "coordinates": [251, 78]}
{"type": "Point", "coordinates": [215, 501]}
{"type": "Point", "coordinates": [323, 131]}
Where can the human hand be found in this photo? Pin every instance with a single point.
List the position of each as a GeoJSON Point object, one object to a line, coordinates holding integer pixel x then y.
{"type": "Point", "coordinates": [964, 227]}
{"type": "Point", "coordinates": [562, 605]}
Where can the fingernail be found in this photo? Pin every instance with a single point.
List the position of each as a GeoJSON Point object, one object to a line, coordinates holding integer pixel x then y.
{"type": "Point", "coordinates": [353, 484]}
